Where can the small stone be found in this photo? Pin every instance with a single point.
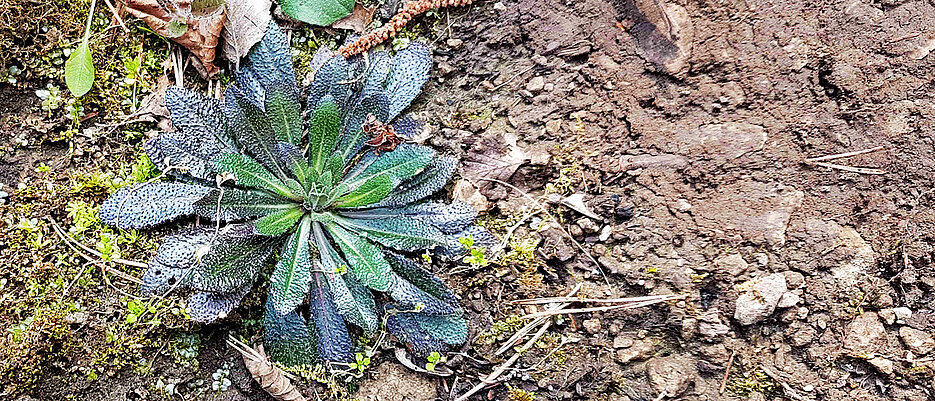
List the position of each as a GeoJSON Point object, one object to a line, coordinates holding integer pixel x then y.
{"type": "Point", "coordinates": [465, 191]}
{"type": "Point", "coordinates": [640, 350]}
{"type": "Point", "coordinates": [759, 299]}
{"type": "Point", "coordinates": [499, 6]}
{"type": "Point", "coordinates": [536, 84]}
{"type": "Point", "coordinates": [540, 60]}
{"type": "Point", "coordinates": [488, 85]}
{"type": "Point", "coordinates": [454, 43]}
{"type": "Point", "coordinates": [622, 341]}
{"type": "Point", "coordinates": [918, 341]}
{"type": "Point", "coordinates": [592, 326]}
{"type": "Point", "coordinates": [525, 93]}
{"type": "Point", "coordinates": [801, 313]}
{"type": "Point", "coordinates": [888, 316]}
{"type": "Point", "coordinates": [682, 205]}
{"type": "Point", "coordinates": [761, 259]}
{"type": "Point", "coordinates": [902, 314]}
{"type": "Point", "coordinates": [553, 126]}
{"type": "Point", "coordinates": [788, 300]}
{"type": "Point", "coordinates": [575, 230]}
{"type": "Point", "coordinates": [794, 280]}
{"type": "Point", "coordinates": [445, 69]}
{"type": "Point", "coordinates": [605, 233]}
{"type": "Point", "coordinates": [588, 225]}
{"type": "Point", "coordinates": [884, 365]}
{"type": "Point", "coordinates": [732, 264]}
{"type": "Point", "coordinates": [671, 375]}
{"type": "Point", "coordinates": [808, 388]}
{"type": "Point", "coordinates": [865, 336]}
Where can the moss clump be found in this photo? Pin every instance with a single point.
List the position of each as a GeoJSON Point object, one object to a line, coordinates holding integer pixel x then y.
{"type": "Point", "coordinates": [750, 382]}
{"type": "Point", "coordinates": [516, 394]}
{"type": "Point", "coordinates": [500, 330]}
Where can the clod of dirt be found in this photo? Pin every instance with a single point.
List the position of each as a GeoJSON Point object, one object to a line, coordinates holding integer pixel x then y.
{"type": "Point", "coordinates": [865, 335]}
{"type": "Point", "coordinates": [638, 351]}
{"type": "Point", "coordinates": [760, 298]}
{"type": "Point", "coordinates": [757, 212]}
{"type": "Point", "coordinates": [663, 33]}
{"type": "Point", "coordinates": [391, 381]}
{"type": "Point", "coordinates": [466, 192]}
{"type": "Point", "coordinates": [671, 375]}
{"type": "Point", "coordinates": [918, 341]}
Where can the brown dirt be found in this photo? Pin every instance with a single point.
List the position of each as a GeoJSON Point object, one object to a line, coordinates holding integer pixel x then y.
{"type": "Point", "coordinates": [703, 129]}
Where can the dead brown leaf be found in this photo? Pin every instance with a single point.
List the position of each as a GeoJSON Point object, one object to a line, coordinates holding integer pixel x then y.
{"type": "Point", "coordinates": [246, 23]}
{"type": "Point", "coordinates": [154, 104]}
{"type": "Point", "coordinates": [497, 157]}
{"type": "Point", "coordinates": [357, 20]}
{"type": "Point", "coordinates": [200, 37]}
{"type": "Point", "coordinates": [272, 379]}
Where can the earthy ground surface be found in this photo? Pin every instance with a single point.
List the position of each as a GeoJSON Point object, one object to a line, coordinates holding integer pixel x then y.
{"type": "Point", "coordinates": [686, 126]}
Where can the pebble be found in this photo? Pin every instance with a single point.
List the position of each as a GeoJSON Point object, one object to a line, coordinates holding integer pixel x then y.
{"type": "Point", "coordinates": [540, 60]}
{"type": "Point", "coordinates": [622, 341]}
{"type": "Point", "coordinates": [640, 350]}
{"type": "Point", "coordinates": [605, 233]}
{"type": "Point", "coordinates": [536, 84]}
{"type": "Point", "coordinates": [444, 68]}
{"type": "Point", "coordinates": [865, 336]}
{"type": "Point", "coordinates": [918, 341]}
{"type": "Point", "coordinates": [671, 375]}
{"type": "Point", "coordinates": [588, 226]}
{"type": "Point", "coordinates": [731, 264]}
{"type": "Point", "coordinates": [902, 314]}
{"type": "Point", "coordinates": [499, 6]}
{"type": "Point", "coordinates": [888, 316]}
{"type": "Point", "coordinates": [788, 300]}
{"type": "Point", "coordinates": [454, 43]}
{"type": "Point", "coordinates": [682, 205]}
{"type": "Point", "coordinates": [592, 326]}
{"type": "Point", "coordinates": [760, 298]}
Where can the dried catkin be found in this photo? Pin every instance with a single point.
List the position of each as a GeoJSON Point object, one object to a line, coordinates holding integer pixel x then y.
{"type": "Point", "coordinates": [409, 10]}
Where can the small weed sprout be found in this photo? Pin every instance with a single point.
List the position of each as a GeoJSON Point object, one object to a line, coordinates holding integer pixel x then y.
{"type": "Point", "coordinates": [361, 362]}
{"type": "Point", "coordinates": [435, 359]}
{"type": "Point", "coordinates": [476, 258]}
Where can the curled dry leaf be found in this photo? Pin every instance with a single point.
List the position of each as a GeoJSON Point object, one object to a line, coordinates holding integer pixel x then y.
{"type": "Point", "coordinates": [357, 20]}
{"type": "Point", "coordinates": [246, 23]}
{"type": "Point", "coordinates": [497, 157]}
{"type": "Point", "coordinates": [272, 379]}
{"type": "Point", "coordinates": [201, 34]}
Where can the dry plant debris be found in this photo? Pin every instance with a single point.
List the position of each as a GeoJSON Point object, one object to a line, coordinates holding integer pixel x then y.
{"type": "Point", "coordinates": [201, 35]}
{"type": "Point", "coordinates": [272, 379]}
{"type": "Point", "coordinates": [409, 10]}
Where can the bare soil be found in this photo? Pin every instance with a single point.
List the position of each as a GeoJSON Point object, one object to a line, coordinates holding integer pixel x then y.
{"type": "Point", "coordinates": [688, 126]}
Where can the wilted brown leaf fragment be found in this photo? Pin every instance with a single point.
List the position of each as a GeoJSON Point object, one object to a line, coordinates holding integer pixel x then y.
{"type": "Point", "coordinates": [200, 34]}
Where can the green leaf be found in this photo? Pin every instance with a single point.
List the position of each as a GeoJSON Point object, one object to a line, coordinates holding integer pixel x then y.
{"type": "Point", "coordinates": [398, 165]}
{"type": "Point", "coordinates": [177, 27]}
{"type": "Point", "coordinates": [402, 234]}
{"type": "Point", "coordinates": [285, 116]}
{"type": "Point", "coordinates": [279, 222]}
{"type": "Point", "coordinates": [370, 192]}
{"type": "Point", "coordinates": [238, 204]}
{"type": "Point", "coordinates": [79, 70]}
{"type": "Point", "coordinates": [317, 12]}
{"type": "Point", "coordinates": [256, 134]}
{"type": "Point", "coordinates": [366, 261]}
{"type": "Point", "coordinates": [323, 132]}
{"type": "Point", "coordinates": [353, 300]}
{"type": "Point", "coordinates": [295, 162]}
{"type": "Point", "coordinates": [249, 173]}
{"type": "Point", "coordinates": [291, 278]}
{"type": "Point", "coordinates": [288, 338]}
{"type": "Point", "coordinates": [336, 166]}
{"type": "Point", "coordinates": [232, 262]}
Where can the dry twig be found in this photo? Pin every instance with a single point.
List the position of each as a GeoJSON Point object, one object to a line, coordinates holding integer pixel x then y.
{"type": "Point", "coordinates": [823, 161]}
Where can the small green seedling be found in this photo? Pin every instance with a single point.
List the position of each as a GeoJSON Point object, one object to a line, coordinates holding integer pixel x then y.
{"type": "Point", "coordinates": [435, 359]}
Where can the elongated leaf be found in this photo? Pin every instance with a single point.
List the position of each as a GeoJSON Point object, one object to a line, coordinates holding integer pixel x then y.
{"type": "Point", "coordinates": [232, 204]}
{"type": "Point", "coordinates": [279, 222]}
{"type": "Point", "coordinates": [352, 136]}
{"type": "Point", "coordinates": [354, 301]}
{"type": "Point", "coordinates": [323, 131]}
{"type": "Point", "coordinates": [371, 191]}
{"type": "Point", "coordinates": [424, 184]}
{"type": "Point", "coordinates": [233, 261]}
{"type": "Point", "coordinates": [201, 119]}
{"type": "Point", "coordinates": [290, 280]}
{"type": "Point", "coordinates": [425, 333]}
{"type": "Point", "coordinates": [288, 338]}
{"type": "Point", "coordinates": [449, 218]}
{"type": "Point", "coordinates": [271, 58]}
{"type": "Point", "coordinates": [366, 261]}
{"type": "Point", "coordinates": [174, 259]}
{"type": "Point", "coordinates": [296, 163]}
{"type": "Point", "coordinates": [399, 165]}
{"type": "Point", "coordinates": [284, 112]}
{"type": "Point", "coordinates": [402, 234]}
{"type": "Point", "coordinates": [333, 78]}
{"type": "Point", "coordinates": [410, 71]}
{"type": "Point", "coordinates": [336, 167]}
{"type": "Point", "coordinates": [258, 137]}
{"type": "Point", "coordinates": [249, 173]}
{"type": "Point", "coordinates": [181, 154]}
{"type": "Point", "coordinates": [410, 297]}
{"type": "Point", "coordinates": [407, 127]}
{"type": "Point", "coordinates": [421, 278]}
{"type": "Point", "coordinates": [334, 342]}
{"type": "Point", "coordinates": [79, 70]}
{"type": "Point", "coordinates": [207, 307]}
{"type": "Point", "coordinates": [317, 12]}
{"type": "Point", "coordinates": [150, 204]}
{"type": "Point", "coordinates": [380, 66]}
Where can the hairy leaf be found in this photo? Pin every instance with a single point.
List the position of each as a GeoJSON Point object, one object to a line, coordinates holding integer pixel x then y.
{"type": "Point", "coordinates": [279, 222]}
{"type": "Point", "coordinates": [353, 137]}
{"type": "Point", "coordinates": [334, 342]}
{"type": "Point", "coordinates": [174, 258]}
{"type": "Point", "coordinates": [407, 127]}
{"type": "Point", "coordinates": [200, 118]}
{"type": "Point", "coordinates": [207, 307]}
{"type": "Point", "coordinates": [366, 261]}
{"type": "Point", "coordinates": [323, 133]}
{"type": "Point", "coordinates": [258, 138]}
{"type": "Point", "coordinates": [290, 280]}
{"type": "Point", "coordinates": [233, 261]}
{"type": "Point", "coordinates": [421, 278]}
{"type": "Point", "coordinates": [425, 333]}
{"type": "Point", "coordinates": [231, 204]}
{"type": "Point", "coordinates": [284, 113]}
{"type": "Point", "coordinates": [354, 301]}
{"type": "Point", "coordinates": [288, 338]}
{"type": "Point", "coordinates": [371, 191]}
{"type": "Point", "coordinates": [150, 204]}
{"type": "Point", "coordinates": [249, 173]}
{"type": "Point", "coordinates": [271, 58]}
{"type": "Point", "coordinates": [409, 72]}
{"type": "Point", "coordinates": [295, 162]}
{"type": "Point", "coordinates": [178, 154]}
{"type": "Point", "coordinates": [331, 79]}
{"type": "Point", "coordinates": [399, 165]}
{"type": "Point", "coordinates": [449, 218]}
{"type": "Point", "coordinates": [424, 184]}
{"type": "Point", "coordinates": [402, 234]}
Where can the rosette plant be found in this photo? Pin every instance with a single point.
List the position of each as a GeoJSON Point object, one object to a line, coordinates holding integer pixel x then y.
{"type": "Point", "coordinates": [306, 197]}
